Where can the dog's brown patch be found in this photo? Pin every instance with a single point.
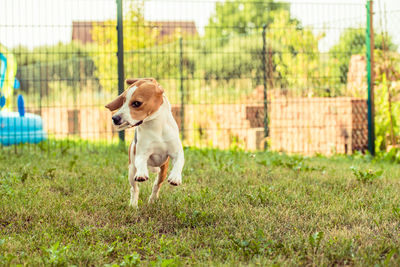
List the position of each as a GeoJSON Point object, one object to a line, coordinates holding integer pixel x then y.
{"type": "Point", "coordinates": [163, 172]}
{"type": "Point", "coordinates": [150, 95]}
{"type": "Point", "coordinates": [148, 92]}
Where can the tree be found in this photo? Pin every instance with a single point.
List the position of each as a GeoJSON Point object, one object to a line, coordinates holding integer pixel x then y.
{"type": "Point", "coordinates": [240, 17]}
{"type": "Point", "coordinates": [138, 35]}
{"type": "Point", "coordinates": [352, 42]}
{"type": "Point", "coordinates": [292, 56]}
{"type": "Point", "coordinates": [49, 53]}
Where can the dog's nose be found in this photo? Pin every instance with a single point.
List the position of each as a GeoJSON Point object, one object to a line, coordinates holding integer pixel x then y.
{"type": "Point", "coordinates": [116, 119]}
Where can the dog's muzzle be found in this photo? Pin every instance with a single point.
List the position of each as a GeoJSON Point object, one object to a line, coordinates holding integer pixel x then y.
{"type": "Point", "coordinates": [117, 120]}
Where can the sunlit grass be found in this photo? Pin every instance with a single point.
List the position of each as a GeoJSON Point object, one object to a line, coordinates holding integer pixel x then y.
{"type": "Point", "coordinates": [69, 206]}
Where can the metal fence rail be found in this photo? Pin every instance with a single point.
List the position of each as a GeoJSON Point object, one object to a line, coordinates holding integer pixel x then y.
{"type": "Point", "coordinates": [290, 76]}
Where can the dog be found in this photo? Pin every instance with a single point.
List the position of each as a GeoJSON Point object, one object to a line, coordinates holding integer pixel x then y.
{"type": "Point", "coordinates": [144, 105]}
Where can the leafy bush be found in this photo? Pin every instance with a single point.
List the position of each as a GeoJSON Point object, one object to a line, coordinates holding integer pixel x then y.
{"type": "Point", "coordinates": [69, 63]}
{"type": "Point", "coordinates": [387, 111]}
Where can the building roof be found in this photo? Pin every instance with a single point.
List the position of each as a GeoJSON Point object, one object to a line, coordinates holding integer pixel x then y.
{"type": "Point", "coordinates": [81, 30]}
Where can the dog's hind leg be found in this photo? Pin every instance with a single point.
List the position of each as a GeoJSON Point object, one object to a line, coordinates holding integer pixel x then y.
{"type": "Point", "coordinates": [159, 181]}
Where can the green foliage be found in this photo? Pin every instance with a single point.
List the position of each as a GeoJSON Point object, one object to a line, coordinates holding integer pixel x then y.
{"type": "Point", "coordinates": [131, 260]}
{"type": "Point", "coordinates": [146, 54]}
{"type": "Point", "coordinates": [238, 58]}
{"type": "Point", "coordinates": [383, 116]}
{"type": "Point", "coordinates": [42, 69]}
{"type": "Point", "coordinates": [352, 41]}
{"type": "Point", "coordinates": [56, 255]}
{"type": "Point", "coordinates": [315, 240]}
{"type": "Point", "coordinates": [250, 247]}
{"type": "Point", "coordinates": [393, 155]}
{"type": "Point", "coordinates": [387, 109]}
{"type": "Point", "coordinates": [240, 17]}
{"type": "Point", "coordinates": [6, 259]}
{"type": "Point", "coordinates": [367, 176]}
{"type": "Point", "coordinates": [49, 53]}
{"type": "Point", "coordinates": [292, 56]}
{"type": "Point", "coordinates": [295, 163]}
{"type": "Point", "coordinates": [396, 211]}
{"type": "Point", "coordinates": [295, 55]}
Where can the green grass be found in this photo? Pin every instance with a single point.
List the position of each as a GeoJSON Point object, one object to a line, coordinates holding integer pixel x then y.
{"type": "Point", "coordinates": [70, 207]}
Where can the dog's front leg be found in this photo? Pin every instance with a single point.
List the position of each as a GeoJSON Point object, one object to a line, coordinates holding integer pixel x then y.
{"type": "Point", "coordinates": [178, 160]}
{"type": "Point", "coordinates": [142, 173]}
{"type": "Point", "coordinates": [134, 186]}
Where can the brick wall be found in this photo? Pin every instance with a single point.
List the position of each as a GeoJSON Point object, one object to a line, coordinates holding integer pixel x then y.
{"type": "Point", "coordinates": [323, 125]}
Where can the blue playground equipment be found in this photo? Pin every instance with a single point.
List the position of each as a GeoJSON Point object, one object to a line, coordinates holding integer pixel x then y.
{"type": "Point", "coordinates": [15, 127]}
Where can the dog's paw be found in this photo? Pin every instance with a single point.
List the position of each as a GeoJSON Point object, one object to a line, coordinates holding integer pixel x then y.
{"type": "Point", "coordinates": [141, 178]}
{"type": "Point", "coordinates": [175, 180]}
{"type": "Point", "coordinates": [133, 205]}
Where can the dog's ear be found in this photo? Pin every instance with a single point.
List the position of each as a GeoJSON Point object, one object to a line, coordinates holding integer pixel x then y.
{"type": "Point", "coordinates": [160, 89]}
{"type": "Point", "coordinates": [131, 81]}
{"type": "Point", "coordinates": [151, 85]}
{"type": "Point", "coordinates": [116, 103]}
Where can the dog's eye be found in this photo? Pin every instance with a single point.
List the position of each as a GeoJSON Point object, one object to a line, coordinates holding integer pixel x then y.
{"type": "Point", "coordinates": [136, 104]}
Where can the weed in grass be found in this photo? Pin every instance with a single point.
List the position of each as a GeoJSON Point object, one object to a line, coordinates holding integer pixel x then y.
{"type": "Point", "coordinates": [315, 240]}
{"type": "Point", "coordinates": [396, 212]}
{"type": "Point", "coordinates": [161, 262]}
{"type": "Point", "coordinates": [367, 176]}
{"type": "Point", "coordinates": [257, 245]}
{"type": "Point", "coordinates": [72, 163]}
{"type": "Point", "coordinates": [131, 260]}
{"type": "Point", "coordinates": [295, 163]}
{"type": "Point", "coordinates": [259, 197]}
{"type": "Point", "coordinates": [56, 254]}
{"type": "Point", "coordinates": [389, 256]}
{"type": "Point", "coordinates": [24, 176]}
{"type": "Point", "coordinates": [7, 183]}
{"type": "Point", "coordinates": [6, 259]}
{"type": "Point", "coordinates": [50, 173]}
{"type": "Point", "coordinates": [195, 218]}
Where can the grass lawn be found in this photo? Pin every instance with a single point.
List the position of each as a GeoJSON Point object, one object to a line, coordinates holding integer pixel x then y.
{"type": "Point", "coordinates": [70, 207]}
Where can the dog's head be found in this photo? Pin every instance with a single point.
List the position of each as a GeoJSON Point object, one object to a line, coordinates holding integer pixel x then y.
{"type": "Point", "coordinates": [141, 99]}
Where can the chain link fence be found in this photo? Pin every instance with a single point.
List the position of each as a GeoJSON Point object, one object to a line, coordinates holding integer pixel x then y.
{"type": "Point", "coordinates": [289, 76]}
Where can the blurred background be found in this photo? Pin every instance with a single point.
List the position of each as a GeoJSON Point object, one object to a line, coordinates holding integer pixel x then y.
{"type": "Point", "coordinates": [284, 75]}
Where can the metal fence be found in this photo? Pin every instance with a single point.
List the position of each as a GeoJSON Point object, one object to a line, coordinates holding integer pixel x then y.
{"type": "Point", "coordinates": [290, 76]}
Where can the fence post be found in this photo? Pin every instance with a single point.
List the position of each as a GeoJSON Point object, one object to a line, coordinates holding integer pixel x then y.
{"type": "Point", "coordinates": [264, 65]}
{"type": "Point", "coordinates": [370, 77]}
{"type": "Point", "coordinates": [120, 55]}
{"type": "Point", "coordinates": [182, 111]}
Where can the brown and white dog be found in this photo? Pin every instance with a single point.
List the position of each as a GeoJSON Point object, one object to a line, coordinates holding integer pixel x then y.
{"type": "Point", "coordinates": [144, 105]}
